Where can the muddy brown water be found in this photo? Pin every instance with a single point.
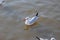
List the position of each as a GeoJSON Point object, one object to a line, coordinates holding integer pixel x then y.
{"type": "Point", "coordinates": [12, 24]}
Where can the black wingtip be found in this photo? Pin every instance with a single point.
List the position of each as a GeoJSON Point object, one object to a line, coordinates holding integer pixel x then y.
{"type": "Point", "coordinates": [37, 14]}
{"type": "Point", "coordinates": [37, 38]}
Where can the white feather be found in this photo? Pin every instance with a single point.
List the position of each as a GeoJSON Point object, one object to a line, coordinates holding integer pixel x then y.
{"type": "Point", "coordinates": [30, 21]}
{"type": "Point", "coordinates": [53, 38]}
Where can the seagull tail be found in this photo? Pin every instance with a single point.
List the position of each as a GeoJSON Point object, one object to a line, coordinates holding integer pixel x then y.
{"type": "Point", "coordinates": [37, 14]}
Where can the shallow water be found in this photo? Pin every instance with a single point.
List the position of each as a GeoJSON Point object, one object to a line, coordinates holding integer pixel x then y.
{"type": "Point", "coordinates": [12, 24]}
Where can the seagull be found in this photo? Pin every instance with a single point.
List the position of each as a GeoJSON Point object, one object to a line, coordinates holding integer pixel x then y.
{"type": "Point", "coordinates": [31, 21]}
{"type": "Point", "coordinates": [40, 38]}
{"type": "Point", "coordinates": [45, 39]}
{"type": "Point", "coordinates": [52, 38]}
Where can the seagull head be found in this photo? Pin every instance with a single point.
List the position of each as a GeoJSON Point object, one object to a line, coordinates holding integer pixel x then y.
{"type": "Point", "coordinates": [26, 18]}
